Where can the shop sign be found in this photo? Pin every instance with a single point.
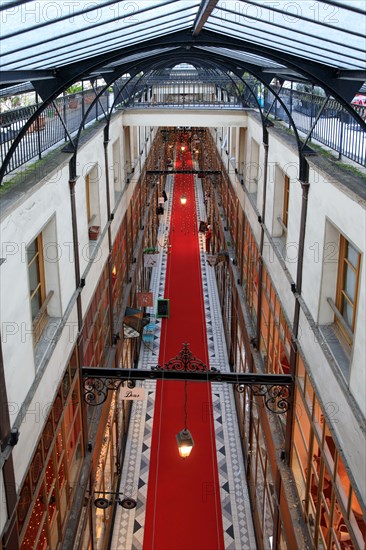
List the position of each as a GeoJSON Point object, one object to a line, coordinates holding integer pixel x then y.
{"type": "Point", "coordinates": [132, 394]}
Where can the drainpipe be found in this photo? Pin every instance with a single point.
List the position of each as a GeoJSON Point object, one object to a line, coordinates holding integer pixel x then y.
{"type": "Point", "coordinates": [110, 218]}
{"type": "Point", "coordinates": [304, 180]}
{"type": "Point", "coordinates": [79, 286]}
{"type": "Point", "coordinates": [261, 220]}
{"type": "Point", "coordinates": [10, 538]}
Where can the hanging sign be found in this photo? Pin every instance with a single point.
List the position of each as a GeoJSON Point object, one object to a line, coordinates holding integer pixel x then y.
{"type": "Point", "coordinates": [151, 260]}
{"type": "Point", "coordinates": [132, 394]}
{"type": "Point", "coordinates": [145, 299]}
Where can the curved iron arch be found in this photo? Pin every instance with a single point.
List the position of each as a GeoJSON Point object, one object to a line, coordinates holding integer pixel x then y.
{"type": "Point", "coordinates": [202, 56]}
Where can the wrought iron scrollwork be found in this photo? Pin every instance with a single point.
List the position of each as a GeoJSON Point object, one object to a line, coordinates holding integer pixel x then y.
{"type": "Point", "coordinates": [185, 361]}
{"type": "Point", "coordinates": [96, 389]}
{"type": "Point", "coordinates": [276, 398]}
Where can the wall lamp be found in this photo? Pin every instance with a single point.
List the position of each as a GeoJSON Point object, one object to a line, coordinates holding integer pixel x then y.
{"type": "Point", "coordinates": [183, 199]}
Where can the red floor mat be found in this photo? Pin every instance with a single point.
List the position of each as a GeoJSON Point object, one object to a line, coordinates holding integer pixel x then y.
{"type": "Point", "coordinates": [183, 510]}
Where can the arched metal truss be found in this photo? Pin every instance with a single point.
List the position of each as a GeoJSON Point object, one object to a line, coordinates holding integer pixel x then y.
{"type": "Point", "coordinates": [205, 49]}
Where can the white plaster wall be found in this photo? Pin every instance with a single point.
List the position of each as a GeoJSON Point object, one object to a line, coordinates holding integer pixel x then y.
{"type": "Point", "coordinates": [48, 200]}
{"type": "Point", "coordinates": [90, 156]}
{"type": "Point", "coordinates": [327, 200]}
{"type": "Point", "coordinates": [188, 117]}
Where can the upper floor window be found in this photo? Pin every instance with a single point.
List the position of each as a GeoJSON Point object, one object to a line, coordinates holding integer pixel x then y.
{"type": "Point", "coordinates": [36, 275]}
{"type": "Point", "coordinates": [286, 196]}
{"type": "Point", "coordinates": [37, 287]}
{"type": "Point", "coordinates": [347, 287]}
{"type": "Point", "coordinates": [87, 198]}
{"type": "Point", "coordinates": [92, 202]}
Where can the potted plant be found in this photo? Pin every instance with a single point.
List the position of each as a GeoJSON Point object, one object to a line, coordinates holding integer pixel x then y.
{"type": "Point", "coordinates": [151, 256]}
{"type": "Point", "coordinates": [72, 95]}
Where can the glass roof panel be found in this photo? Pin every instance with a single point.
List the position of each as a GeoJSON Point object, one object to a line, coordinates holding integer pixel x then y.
{"type": "Point", "coordinates": [284, 46]}
{"type": "Point", "coordinates": [47, 35]}
{"type": "Point", "coordinates": [97, 50]}
{"type": "Point", "coordinates": [113, 38]}
{"type": "Point", "coordinates": [114, 19]}
{"type": "Point", "coordinates": [317, 21]}
{"type": "Point", "coordinates": [243, 56]}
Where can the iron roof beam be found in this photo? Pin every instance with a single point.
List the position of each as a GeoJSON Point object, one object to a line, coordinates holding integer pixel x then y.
{"type": "Point", "coordinates": [13, 77]}
{"type": "Point", "coordinates": [247, 378]}
{"type": "Point", "coordinates": [351, 75]}
{"type": "Point", "coordinates": [204, 12]}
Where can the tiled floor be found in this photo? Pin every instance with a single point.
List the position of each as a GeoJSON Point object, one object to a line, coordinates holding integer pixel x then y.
{"type": "Point", "coordinates": [129, 524]}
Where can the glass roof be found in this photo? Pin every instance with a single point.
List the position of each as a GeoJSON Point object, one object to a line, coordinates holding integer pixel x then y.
{"type": "Point", "coordinates": [41, 36]}
{"type": "Point", "coordinates": [318, 31]}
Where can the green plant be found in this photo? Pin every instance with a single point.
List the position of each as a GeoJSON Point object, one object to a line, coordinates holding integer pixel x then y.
{"type": "Point", "coordinates": [74, 89]}
{"type": "Point", "coordinates": [151, 250]}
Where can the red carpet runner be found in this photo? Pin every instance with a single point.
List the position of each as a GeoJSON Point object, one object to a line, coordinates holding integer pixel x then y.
{"type": "Point", "coordinates": [183, 510]}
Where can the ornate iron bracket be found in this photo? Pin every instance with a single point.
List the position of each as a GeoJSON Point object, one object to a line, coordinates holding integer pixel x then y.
{"type": "Point", "coordinates": [96, 389]}
{"type": "Point", "coordinates": [277, 399]}
{"type": "Point", "coordinates": [276, 389]}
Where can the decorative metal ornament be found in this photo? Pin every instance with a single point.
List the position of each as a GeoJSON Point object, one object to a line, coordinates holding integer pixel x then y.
{"type": "Point", "coordinates": [276, 389]}
{"type": "Point", "coordinates": [96, 389]}
{"type": "Point", "coordinates": [184, 361]}
{"type": "Point", "coordinates": [276, 398]}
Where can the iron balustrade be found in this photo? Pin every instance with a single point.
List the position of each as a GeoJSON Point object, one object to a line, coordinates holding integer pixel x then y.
{"type": "Point", "coordinates": [48, 130]}
{"type": "Point", "coordinates": [335, 128]}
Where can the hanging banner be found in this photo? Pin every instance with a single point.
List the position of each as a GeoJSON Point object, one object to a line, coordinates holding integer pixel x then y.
{"type": "Point", "coordinates": [132, 394]}
{"type": "Point", "coordinates": [145, 299]}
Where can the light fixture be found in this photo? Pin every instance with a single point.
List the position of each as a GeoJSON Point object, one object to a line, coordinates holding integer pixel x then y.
{"type": "Point", "coordinates": [182, 148]}
{"type": "Point", "coordinates": [183, 199]}
{"type": "Point", "coordinates": [184, 437]}
{"type": "Point", "coordinates": [185, 443]}
{"type": "Point", "coordinates": [103, 503]}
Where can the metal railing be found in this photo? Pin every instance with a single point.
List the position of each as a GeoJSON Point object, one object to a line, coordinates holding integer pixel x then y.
{"type": "Point", "coordinates": [336, 128]}
{"type": "Point", "coordinates": [48, 129]}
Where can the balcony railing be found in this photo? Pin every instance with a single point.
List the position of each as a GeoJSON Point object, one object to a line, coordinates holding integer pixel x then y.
{"type": "Point", "coordinates": [335, 128]}
{"type": "Point", "coordinates": [48, 129]}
